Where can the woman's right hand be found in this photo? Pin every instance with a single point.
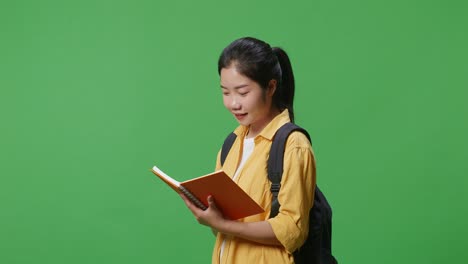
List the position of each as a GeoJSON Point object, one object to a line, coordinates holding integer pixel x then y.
{"type": "Point", "coordinates": [211, 217]}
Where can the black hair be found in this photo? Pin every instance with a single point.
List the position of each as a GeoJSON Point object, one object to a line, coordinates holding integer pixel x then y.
{"type": "Point", "coordinates": [261, 63]}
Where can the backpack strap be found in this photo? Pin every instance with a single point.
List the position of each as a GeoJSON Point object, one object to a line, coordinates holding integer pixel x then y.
{"type": "Point", "coordinates": [227, 146]}
{"type": "Point", "coordinates": [275, 161]}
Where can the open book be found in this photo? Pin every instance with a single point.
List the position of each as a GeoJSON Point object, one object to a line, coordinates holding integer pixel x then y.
{"type": "Point", "coordinates": [230, 199]}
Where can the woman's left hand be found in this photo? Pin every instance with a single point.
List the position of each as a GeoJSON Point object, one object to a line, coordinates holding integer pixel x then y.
{"type": "Point", "coordinates": [211, 217]}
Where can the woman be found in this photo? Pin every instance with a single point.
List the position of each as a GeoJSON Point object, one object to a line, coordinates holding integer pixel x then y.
{"type": "Point", "coordinates": [257, 84]}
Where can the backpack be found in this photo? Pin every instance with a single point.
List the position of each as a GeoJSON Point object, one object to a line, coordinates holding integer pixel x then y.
{"type": "Point", "coordinates": [317, 247]}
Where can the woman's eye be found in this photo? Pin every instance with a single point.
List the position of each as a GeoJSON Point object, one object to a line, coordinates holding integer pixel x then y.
{"type": "Point", "coordinates": [244, 93]}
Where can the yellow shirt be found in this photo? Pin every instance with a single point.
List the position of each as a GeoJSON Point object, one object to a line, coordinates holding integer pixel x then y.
{"type": "Point", "coordinates": [291, 225]}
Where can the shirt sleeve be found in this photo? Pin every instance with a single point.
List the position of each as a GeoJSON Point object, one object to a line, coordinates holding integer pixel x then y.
{"type": "Point", "coordinates": [296, 195]}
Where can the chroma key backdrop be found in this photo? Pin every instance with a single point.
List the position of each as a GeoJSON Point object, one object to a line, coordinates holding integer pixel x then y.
{"type": "Point", "coordinates": [94, 93]}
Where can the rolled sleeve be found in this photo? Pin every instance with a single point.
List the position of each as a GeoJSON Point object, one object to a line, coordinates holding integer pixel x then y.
{"type": "Point", "coordinates": [291, 225]}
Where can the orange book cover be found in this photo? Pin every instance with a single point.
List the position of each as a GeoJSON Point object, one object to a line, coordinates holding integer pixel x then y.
{"type": "Point", "coordinates": [230, 199]}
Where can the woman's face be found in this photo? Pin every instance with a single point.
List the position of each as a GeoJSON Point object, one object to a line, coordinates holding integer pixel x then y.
{"type": "Point", "coordinates": [245, 99]}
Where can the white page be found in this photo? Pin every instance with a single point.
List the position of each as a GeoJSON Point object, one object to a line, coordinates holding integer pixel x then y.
{"type": "Point", "coordinates": [167, 177]}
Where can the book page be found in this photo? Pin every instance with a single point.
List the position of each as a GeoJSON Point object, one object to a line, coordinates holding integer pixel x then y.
{"type": "Point", "coordinates": [166, 178]}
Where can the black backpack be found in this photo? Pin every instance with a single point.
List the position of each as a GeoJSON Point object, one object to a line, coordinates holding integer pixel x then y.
{"type": "Point", "coordinates": [317, 247]}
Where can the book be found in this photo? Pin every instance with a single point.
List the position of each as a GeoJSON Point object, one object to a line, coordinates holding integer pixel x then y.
{"type": "Point", "coordinates": [230, 199]}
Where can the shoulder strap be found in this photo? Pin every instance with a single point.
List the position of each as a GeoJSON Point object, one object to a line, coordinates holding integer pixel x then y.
{"type": "Point", "coordinates": [227, 146]}
{"type": "Point", "coordinates": [275, 161]}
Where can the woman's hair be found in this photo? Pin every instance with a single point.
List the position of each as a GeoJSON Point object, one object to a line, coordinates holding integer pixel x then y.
{"type": "Point", "coordinates": [261, 63]}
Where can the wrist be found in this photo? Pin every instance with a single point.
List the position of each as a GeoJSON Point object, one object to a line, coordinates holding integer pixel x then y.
{"type": "Point", "coordinates": [224, 226]}
{"type": "Point", "coordinates": [231, 228]}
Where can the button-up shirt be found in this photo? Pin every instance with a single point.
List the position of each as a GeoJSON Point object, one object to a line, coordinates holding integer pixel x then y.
{"type": "Point", "coordinates": [291, 225]}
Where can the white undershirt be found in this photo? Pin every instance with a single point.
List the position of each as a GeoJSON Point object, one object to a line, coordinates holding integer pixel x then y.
{"type": "Point", "coordinates": [247, 150]}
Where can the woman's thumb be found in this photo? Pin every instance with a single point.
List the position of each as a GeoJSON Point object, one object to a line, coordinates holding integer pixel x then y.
{"type": "Point", "coordinates": [211, 202]}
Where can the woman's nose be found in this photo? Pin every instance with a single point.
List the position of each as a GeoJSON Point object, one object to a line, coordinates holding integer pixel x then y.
{"type": "Point", "coordinates": [235, 105]}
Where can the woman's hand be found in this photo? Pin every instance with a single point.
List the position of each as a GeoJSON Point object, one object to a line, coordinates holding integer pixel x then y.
{"type": "Point", "coordinates": [211, 217]}
{"type": "Point", "coordinates": [260, 232]}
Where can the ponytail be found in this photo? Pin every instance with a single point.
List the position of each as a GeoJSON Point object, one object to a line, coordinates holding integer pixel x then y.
{"type": "Point", "coordinates": [284, 95]}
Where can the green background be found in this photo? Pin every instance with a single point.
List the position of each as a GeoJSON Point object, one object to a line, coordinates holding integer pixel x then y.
{"type": "Point", "coordinates": [94, 93]}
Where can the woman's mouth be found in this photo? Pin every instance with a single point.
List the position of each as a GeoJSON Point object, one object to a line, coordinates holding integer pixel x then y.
{"type": "Point", "coordinates": [240, 116]}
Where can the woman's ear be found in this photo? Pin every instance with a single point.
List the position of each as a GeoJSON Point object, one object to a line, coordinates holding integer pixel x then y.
{"type": "Point", "coordinates": [271, 87]}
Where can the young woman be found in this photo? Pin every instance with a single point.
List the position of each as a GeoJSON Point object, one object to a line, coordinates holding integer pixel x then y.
{"type": "Point", "coordinates": [257, 84]}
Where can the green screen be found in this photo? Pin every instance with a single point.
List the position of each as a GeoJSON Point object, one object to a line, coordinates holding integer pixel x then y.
{"type": "Point", "coordinates": [94, 93]}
